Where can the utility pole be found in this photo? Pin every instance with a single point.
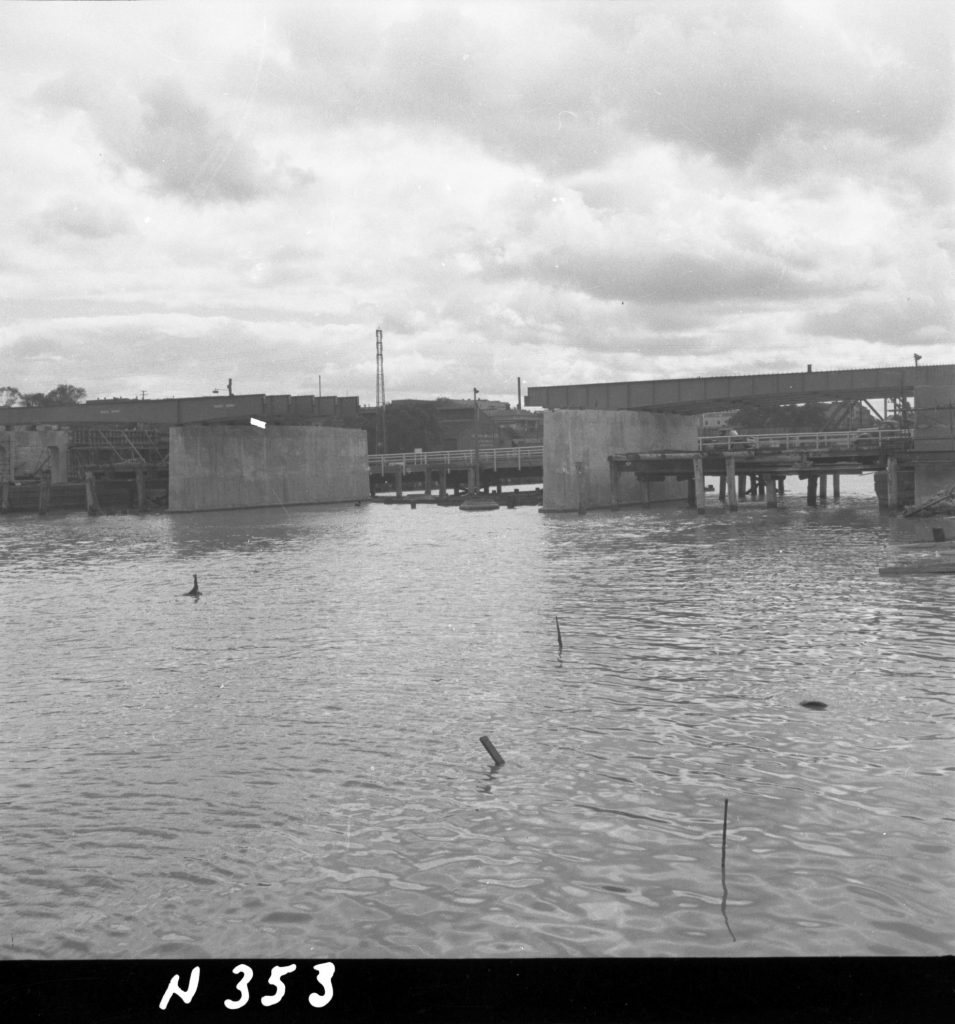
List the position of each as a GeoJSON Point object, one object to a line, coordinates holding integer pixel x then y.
{"type": "Point", "coordinates": [380, 394]}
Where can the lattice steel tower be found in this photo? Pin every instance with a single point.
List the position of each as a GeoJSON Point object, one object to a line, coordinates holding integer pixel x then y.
{"type": "Point", "coordinates": [380, 394]}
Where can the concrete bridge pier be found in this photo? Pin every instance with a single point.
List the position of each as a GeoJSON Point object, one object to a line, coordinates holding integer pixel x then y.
{"type": "Point", "coordinates": [835, 486]}
{"type": "Point", "coordinates": [822, 486]}
{"type": "Point", "coordinates": [427, 481]}
{"type": "Point", "coordinates": [812, 487]}
{"type": "Point", "coordinates": [772, 500]}
{"type": "Point", "coordinates": [443, 483]}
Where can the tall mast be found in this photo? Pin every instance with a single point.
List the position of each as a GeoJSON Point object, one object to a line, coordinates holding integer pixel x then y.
{"type": "Point", "coordinates": [380, 393]}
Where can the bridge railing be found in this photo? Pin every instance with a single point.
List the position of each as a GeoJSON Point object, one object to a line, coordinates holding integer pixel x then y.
{"type": "Point", "coordinates": [460, 458]}
{"type": "Point", "coordinates": [854, 440]}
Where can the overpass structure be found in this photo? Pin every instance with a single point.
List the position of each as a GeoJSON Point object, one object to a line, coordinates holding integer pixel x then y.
{"type": "Point", "coordinates": [696, 395]}
{"type": "Point", "coordinates": [639, 426]}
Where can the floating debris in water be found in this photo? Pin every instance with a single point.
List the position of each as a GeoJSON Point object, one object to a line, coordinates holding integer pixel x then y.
{"type": "Point", "coordinates": [813, 705]}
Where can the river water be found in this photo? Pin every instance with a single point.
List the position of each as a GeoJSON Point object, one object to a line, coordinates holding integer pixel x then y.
{"type": "Point", "coordinates": [291, 766]}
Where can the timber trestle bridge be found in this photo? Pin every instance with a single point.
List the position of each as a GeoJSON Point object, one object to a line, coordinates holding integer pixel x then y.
{"type": "Point", "coordinates": [452, 469]}
{"type": "Point", "coordinates": [758, 464]}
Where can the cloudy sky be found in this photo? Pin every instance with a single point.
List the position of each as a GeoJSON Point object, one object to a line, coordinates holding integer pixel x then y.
{"type": "Point", "coordinates": [561, 192]}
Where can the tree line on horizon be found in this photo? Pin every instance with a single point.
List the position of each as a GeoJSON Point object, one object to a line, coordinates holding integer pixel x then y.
{"type": "Point", "coordinates": [62, 394]}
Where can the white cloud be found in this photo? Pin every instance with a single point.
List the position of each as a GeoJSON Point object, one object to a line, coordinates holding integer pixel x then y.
{"type": "Point", "coordinates": [558, 192]}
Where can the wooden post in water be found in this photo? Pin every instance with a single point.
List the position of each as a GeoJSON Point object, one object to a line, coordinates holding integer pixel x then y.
{"type": "Point", "coordinates": [822, 486]}
{"type": "Point", "coordinates": [691, 491]}
{"type": "Point", "coordinates": [892, 480]}
{"type": "Point", "coordinates": [741, 488]}
{"type": "Point", "coordinates": [835, 486]}
{"type": "Point", "coordinates": [771, 499]}
{"type": "Point", "coordinates": [492, 750]}
{"type": "Point", "coordinates": [427, 481]}
{"type": "Point", "coordinates": [700, 487]}
{"type": "Point", "coordinates": [730, 477]}
{"type": "Point", "coordinates": [5, 495]}
{"type": "Point", "coordinates": [812, 482]}
{"type": "Point", "coordinates": [443, 483]}
{"type": "Point", "coordinates": [399, 484]}
{"type": "Point", "coordinates": [44, 506]}
{"type": "Point", "coordinates": [92, 501]}
{"type": "Point", "coordinates": [722, 488]}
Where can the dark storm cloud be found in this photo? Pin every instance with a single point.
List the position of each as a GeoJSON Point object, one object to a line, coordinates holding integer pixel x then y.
{"type": "Point", "coordinates": [165, 134]}
{"type": "Point", "coordinates": [81, 219]}
{"type": "Point", "coordinates": [723, 79]}
{"type": "Point", "coordinates": [904, 321]}
{"type": "Point", "coordinates": [667, 277]}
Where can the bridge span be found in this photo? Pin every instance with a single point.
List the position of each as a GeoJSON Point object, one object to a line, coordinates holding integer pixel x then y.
{"type": "Point", "coordinates": [712, 394]}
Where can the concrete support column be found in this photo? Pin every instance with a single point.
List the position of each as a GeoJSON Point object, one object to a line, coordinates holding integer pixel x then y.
{"type": "Point", "coordinates": [399, 483]}
{"type": "Point", "coordinates": [741, 485]}
{"type": "Point", "coordinates": [760, 486]}
{"type": "Point", "coordinates": [443, 483]}
{"type": "Point", "coordinates": [835, 486]}
{"type": "Point", "coordinates": [699, 485]}
{"type": "Point", "coordinates": [691, 491]}
{"type": "Point", "coordinates": [5, 496]}
{"type": "Point", "coordinates": [730, 477]}
{"type": "Point", "coordinates": [722, 488]}
{"type": "Point", "coordinates": [822, 486]}
{"type": "Point", "coordinates": [812, 482]}
{"type": "Point", "coordinates": [892, 480]}
{"type": "Point", "coordinates": [427, 481]}
{"type": "Point", "coordinates": [771, 499]}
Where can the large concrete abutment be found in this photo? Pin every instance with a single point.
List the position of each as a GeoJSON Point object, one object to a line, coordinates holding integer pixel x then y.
{"type": "Point", "coordinates": [934, 438]}
{"type": "Point", "coordinates": [579, 442]}
{"type": "Point", "coordinates": [225, 467]}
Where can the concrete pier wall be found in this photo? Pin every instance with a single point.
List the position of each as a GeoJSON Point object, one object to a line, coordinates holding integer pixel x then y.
{"type": "Point", "coordinates": [934, 438]}
{"type": "Point", "coordinates": [223, 467]}
{"type": "Point", "coordinates": [577, 443]}
{"type": "Point", "coordinates": [23, 452]}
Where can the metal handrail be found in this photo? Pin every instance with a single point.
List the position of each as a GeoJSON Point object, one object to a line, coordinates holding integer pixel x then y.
{"type": "Point", "coordinates": [807, 440]}
{"type": "Point", "coordinates": [458, 458]}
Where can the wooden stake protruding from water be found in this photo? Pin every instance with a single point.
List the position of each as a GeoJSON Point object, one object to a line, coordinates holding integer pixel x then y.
{"type": "Point", "coordinates": [560, 642]}
{"type": "Point", "coordinates": [492, 750]}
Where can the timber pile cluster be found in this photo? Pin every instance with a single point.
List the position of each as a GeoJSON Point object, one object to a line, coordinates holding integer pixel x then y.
{"type": "Point", "coordinates": [942, 503]}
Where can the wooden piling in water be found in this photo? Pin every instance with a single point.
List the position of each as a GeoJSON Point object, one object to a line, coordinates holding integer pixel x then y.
{"type": "Point", "coordinates": [700, 488]}
{"type": "Point", "coordinates": [892, 481]}
{"type": "Point", "coordinates": [822, 486]}
{"type": "Point", "coordinates": [835, 486]}
{"type": "Point", "coordinates": [730, 478]}
{"type": "Point", "coordinates": [772, 500]}
{"type": "Point", "coordinates": [44, 502]}
{"type": "Point", "coordinates": [492, 750]}
{"type": "Point", "coordinates": [92, 501]}
{"type": "Point", "coordinates": [812, 482]}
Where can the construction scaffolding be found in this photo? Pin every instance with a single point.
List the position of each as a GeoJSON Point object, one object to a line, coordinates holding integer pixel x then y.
{"type": "Point", "coordinates": [120, 447]}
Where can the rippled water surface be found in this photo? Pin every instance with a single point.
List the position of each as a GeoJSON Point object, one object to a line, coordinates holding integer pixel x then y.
{"type": "Point", "coordinates": [290, 765]}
